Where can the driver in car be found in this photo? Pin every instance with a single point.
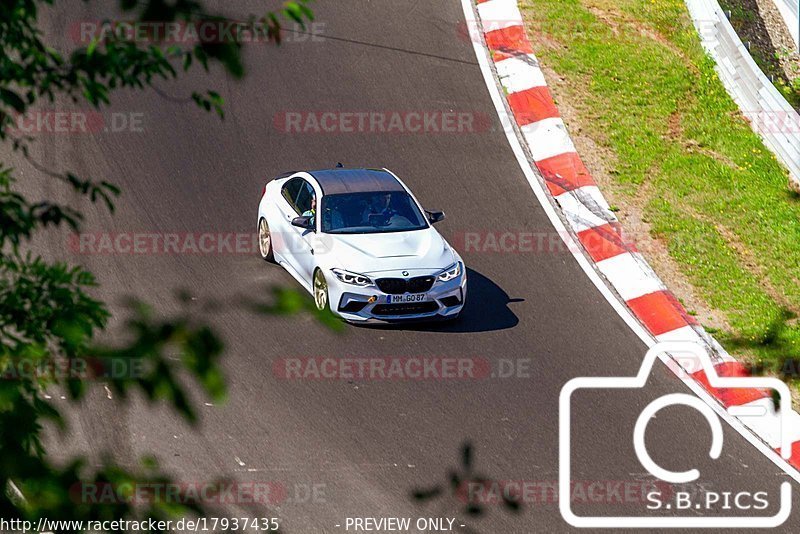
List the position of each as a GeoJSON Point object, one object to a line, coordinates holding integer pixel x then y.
{"type": "Point", "coordinates": [312, 211]}
{"type": "Point", "coordinates": [380, 204]}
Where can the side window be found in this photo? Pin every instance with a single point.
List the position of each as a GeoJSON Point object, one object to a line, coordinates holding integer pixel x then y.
{"type": "Point", "coordinates": [304, 197]}
{"type": "Point", "coordinates": [290, 190]}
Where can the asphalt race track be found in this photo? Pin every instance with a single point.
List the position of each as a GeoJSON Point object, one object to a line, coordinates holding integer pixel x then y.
{"type": "Point", "coordinates": [356, 448]}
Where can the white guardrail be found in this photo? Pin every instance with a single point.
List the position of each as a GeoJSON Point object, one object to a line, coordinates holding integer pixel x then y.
{"type": "Point", "coordinates": [762, 104]}
{"type": "Point", "coordinates": [789, 11]}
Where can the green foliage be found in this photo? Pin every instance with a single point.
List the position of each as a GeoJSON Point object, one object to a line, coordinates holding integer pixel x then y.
{"type": "Point", "coordinates": [48, 319]}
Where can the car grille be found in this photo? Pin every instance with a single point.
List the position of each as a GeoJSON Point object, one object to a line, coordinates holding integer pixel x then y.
{"type": "Point", "coordinates": [411, 308]}
{"type": "Point", "coordinates": [420, 284]}
{"type": "Point", "coordinates": [354, 306]}
{"type": "Point", "coordinates": [392, 286]}
{"type": "Point", "coordinates": [398, 286]}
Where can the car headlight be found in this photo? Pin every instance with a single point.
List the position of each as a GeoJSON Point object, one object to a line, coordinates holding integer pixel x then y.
{"type": "Point", "coordinates": [352, 278]}
{"type": "Point", "coordinates": [454, 271]}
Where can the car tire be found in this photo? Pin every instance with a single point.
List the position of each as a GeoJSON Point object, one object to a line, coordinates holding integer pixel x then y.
{"type": "Point", "coordinates": [265, 241]}
{"type": "Point", "coordinates": [320, 291]}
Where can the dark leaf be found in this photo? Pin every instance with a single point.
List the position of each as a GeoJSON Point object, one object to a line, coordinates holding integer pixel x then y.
{"type": "Point", "coordinates": [12, 99]}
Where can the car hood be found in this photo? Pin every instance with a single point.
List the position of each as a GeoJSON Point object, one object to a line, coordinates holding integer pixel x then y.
{"type": "Point", "coordinates": [370, 253]}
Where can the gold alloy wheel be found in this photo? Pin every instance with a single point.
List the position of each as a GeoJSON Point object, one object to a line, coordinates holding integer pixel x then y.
{"type": "Point", "coordinates": [264, 240]}
{"type": "Point", "coordinates": [320, 290]}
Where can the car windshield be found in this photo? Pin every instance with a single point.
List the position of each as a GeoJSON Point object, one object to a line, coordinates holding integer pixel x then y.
{"type": "Point", "coordinates": [370, 213]}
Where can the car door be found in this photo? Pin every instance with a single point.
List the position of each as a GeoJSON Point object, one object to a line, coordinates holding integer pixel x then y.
{"type": "Point", "coordinates": [304, 240]}
{"type": "Point", "coordinates": [285, 241]}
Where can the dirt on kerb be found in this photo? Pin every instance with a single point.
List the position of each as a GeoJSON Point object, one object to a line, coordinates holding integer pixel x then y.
{"type": "Point", "coordinates": [760, 26]}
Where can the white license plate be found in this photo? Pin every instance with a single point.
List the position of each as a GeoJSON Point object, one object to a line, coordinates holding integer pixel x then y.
{"type": "Point", "coordinates": [399, 299]}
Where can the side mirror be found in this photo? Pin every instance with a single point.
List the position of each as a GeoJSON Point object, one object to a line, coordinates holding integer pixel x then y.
{"type": "Point", "coordinates": [435, 216]}
{"type": "Point", "coordinates": [303, 222]}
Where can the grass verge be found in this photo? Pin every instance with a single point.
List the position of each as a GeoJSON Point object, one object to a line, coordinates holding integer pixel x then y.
{"type": "Point", "coordinates": [675, 145]}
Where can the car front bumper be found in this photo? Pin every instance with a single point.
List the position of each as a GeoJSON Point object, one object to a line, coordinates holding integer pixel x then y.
{"type": "Point", "coordinates": [444, 300]}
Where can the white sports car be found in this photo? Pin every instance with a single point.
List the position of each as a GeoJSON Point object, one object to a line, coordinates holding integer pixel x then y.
{"type": "Point", "coordinates": [362, 245]}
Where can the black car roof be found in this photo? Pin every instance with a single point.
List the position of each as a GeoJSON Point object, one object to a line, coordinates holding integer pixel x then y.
{"type": "Point", "coordinates": [337, 181]}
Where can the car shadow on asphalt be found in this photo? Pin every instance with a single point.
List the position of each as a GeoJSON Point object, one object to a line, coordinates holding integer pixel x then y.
{"type": "Point", "coordinates": [487, 309]}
